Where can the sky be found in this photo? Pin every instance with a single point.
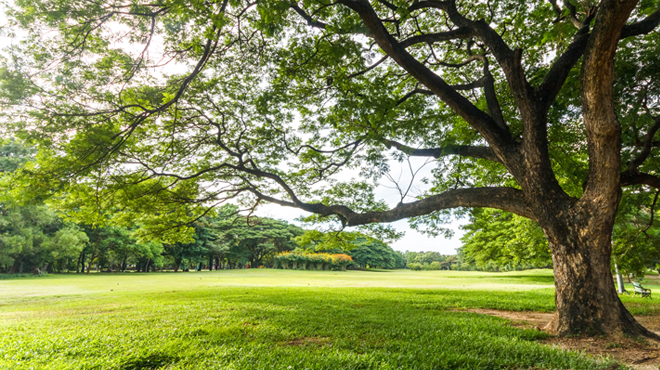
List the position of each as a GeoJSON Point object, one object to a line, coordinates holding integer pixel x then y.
{"type": "Point", "coordinates": [401, 172]}
{"type": "Point", "coordinates": [412, 241]}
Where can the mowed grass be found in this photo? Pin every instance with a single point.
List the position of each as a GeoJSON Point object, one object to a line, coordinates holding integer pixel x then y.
{"type": "Point", "coordinates": [280, 319]}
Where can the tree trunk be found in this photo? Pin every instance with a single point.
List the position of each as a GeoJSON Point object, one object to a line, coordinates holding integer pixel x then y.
{"type": "Point", "coordinates": [89, 265]}
{"type": "Point", "coordinates": [586, 299]}
{"type": "Point", "coordinates": [80, 260]}
{"type": "Point", "coordinates": [620, 288]}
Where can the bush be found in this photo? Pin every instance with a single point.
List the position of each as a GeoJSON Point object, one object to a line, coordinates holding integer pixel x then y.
{"type": "Point", "coordinates": [311, 261]}
{"type": "Point", "coordinates": [415, 266]}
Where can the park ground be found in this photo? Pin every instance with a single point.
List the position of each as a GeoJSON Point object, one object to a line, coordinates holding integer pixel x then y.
{"type": "Point", "coordinates": [283, 319]}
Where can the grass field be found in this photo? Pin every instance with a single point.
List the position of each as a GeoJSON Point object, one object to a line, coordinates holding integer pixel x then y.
{"type": "Point", "coordinates": [280, 319]}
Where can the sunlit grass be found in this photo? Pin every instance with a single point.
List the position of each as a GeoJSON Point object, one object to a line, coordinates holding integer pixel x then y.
{"type": "Point", "coordinates": [273, 319]}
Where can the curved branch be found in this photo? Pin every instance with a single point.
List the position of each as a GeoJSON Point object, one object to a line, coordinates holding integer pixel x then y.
{"type": "Point", "coordinates": [462, 87]}
{"type": "Point", "coordinates": [459, 33]}
{"type": "Point", "coordinates": [646, 149]}
{"type": "Point", "coordinates": [559, 71]}
{"type": "Point", "coordinates": [478, 119]}
{"type": "Point", "coordinates": [642, 27]}
{"type": "Point", "coordinates": [508, 59]}
{"type": "Point", "coordinates": [507, 199]}
{"type": "Point", "coordinates": [482, 152]}
{"type": "Point", "coordinates": [307, 17]}
{"type": "Point", "coordinates": [629, 178]}
{"type": "Point", "coordinates": [556, 77]}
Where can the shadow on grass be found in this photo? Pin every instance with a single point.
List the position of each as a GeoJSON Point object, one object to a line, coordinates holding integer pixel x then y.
{"type": "Point", "coordinates": [150, 362]}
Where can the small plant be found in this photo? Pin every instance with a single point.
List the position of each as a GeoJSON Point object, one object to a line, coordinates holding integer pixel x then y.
{"type": "Point", "coordinates": [612, 345]}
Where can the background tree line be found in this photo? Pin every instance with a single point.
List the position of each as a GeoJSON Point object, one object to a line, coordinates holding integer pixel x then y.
{"type": "Point", "coordinates": [35, 239]}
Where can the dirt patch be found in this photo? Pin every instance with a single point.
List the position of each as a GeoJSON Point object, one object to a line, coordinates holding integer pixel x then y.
{"type": "Point", "coordinates": [639, 354]}
{"type": "Point", "coordinates": [518, 319]}
{"type": "Point", "coordinates": [310, 340]}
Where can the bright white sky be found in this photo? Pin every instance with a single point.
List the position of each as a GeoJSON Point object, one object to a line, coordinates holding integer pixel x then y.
{"type": "Point", "coordinates": [412, 241]}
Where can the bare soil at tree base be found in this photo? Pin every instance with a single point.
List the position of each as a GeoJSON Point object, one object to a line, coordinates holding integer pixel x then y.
{"type": "Point", "coordinates": [639, 354]}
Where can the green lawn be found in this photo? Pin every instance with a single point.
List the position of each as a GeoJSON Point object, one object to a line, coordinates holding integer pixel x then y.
{"type": "Point", "coordinates": [277, 319]}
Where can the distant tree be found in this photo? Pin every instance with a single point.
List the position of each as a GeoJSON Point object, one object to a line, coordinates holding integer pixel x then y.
{"type": "Point", "coordinates": [410, 257]}
{"type": "Point", "coordinates": [426, 258]}
{"type": "Point", "coordinates": [32, 237]}
{"type": "Point", "coordinates": [502, 238]}
{"type": "Point", "coordinates": [64, 247]}
{"type": "Point", "coordinates": [24, 235]}
{"type": "Point", "coordinates": [257, 238]}
{"type": "Point", "coordinates": [373, 253]}
{"type": "Point", "coordinates": [636, 237]}
{"type": "Point", "coordinates": [114, 245]}
{"type": "Point", "coordinates": [400, 260]}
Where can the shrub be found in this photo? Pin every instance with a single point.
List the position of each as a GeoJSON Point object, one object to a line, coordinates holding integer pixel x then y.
{"type": "Point", "coordinates": [342, 260]}
{"type": "Point", "coordinates": [435, 265]}
{"type": "Point", "coordinates": [415, 266]}
{"type": "Point", "coordinates": [311, 261]}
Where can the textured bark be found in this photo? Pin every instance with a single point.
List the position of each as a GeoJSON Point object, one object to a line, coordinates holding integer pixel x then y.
{"type": "Point", "coordinates": [586, 298]}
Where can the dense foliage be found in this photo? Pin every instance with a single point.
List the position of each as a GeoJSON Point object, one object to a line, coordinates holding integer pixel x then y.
{"type": "Point", "coordinates": [311, 261]}
{"type": "Point", "coordinates": [497, 240]}
{"type": "Point", "coordinates": [32, 237]}
{"type": "Point", "coordinates": [430, 261]}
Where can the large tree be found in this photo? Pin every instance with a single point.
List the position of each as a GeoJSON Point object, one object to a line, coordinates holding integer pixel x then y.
{"type": "Point", "coordinates": [543, 109]}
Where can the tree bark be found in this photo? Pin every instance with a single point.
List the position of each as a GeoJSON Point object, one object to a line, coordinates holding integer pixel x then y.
{"type": "Point", "coordinates": [585, 297]}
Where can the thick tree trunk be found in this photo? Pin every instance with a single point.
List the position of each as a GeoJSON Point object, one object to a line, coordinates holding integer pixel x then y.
{"type": "Point", "coordinates": [586, 298]}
